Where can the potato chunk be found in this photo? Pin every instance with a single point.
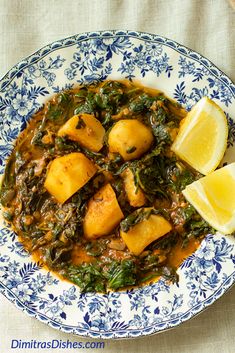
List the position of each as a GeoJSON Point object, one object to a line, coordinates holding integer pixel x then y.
{"type": "Point", "coordinates": [145, 232]}
{"type": "Point", "coordinates": [86, 130]}
{"type": "Point", "coordinates": [68, 174]}
{"type": "Point", "coordinates": [103, 213]}
{"type": "Point", "coordinates": [130, 138]}
{"type": "Point", "coordinates": [136, 197]}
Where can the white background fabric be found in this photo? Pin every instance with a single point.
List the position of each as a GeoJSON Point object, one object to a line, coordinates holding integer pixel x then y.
{"type": "Point", "coordinates": [207, 26]}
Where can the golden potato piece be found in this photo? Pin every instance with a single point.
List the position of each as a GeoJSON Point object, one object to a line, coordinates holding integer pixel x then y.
{"type": "Point", "coordinates": [136, 197]}
{"type": "Point", "coordinates": [103, 213]}
{"type": "Point", "coordinates": [68, 174]}
{"type": "Point", "coordinates": [145, 232]}
{"type": "Point", "coordinates": [130, 138]}
{"type": "Point", "coordinates": [86, 130]}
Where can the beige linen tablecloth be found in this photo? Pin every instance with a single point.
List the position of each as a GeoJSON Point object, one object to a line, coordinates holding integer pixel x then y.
{"type": "Point", "coordinates": [207, 26]}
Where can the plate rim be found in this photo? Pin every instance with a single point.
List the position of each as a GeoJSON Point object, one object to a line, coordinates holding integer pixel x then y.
{"type": "Point", "coordinates": [107, 335]}
{"type": "Point", "coordinates": [111, 33]}
{"type": "Point", "coordinates": [63, 43]}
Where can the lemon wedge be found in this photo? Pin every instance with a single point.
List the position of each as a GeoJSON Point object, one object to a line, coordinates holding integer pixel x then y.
{"type": "Point", "coordinates": [213, 196]}
{"type": "Point", "coordinates": [202, 137]}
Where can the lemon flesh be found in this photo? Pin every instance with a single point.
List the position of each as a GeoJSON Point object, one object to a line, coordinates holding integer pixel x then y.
{"type": "Point", "coordinates": [213, 196]}
{"type": "Point", "coordinates": [202, 137]}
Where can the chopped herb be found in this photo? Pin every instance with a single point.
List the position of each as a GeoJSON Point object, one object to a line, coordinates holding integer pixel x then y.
{"type": "Point", "coordinates": [131, 149]}
{"type": "Point", "coordinates": [81, 123]}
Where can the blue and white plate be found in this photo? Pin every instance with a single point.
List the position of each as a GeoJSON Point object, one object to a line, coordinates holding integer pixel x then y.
{"type": "Point", "coordinates": [156, 62]}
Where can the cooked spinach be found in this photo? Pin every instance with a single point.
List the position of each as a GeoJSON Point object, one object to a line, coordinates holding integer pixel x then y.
{"type": "Point", "coordinates": [57, 255]}
{"type": "Point", "coordinates": [96, 248]}
{"type": "Point", "coordinates": [166, 243]}
{"type": "Point", "coordinates": [7, 192]}
{"type": "Point", "coordinates": [100, 276]}
{"type": "Point", "coordinates": [8, 216]}
{"type": "Point", "coordinates": [60, 109]}
{"type": "Point", "coordinates": [88, 276]}
{"type": "Point", "coordinates": [110, 97]}
{"type": "Point", "coordinates": [141, 103]}
{"type": "Point", "coordinates": [56, 230]}
{"type": "Point", "coordinates": [122, 274]}
{"type": "Point", "coordinates": [88, 106]}
{"type": "Point", "coordinates": [135, 218]}
{"type": "Point", "coordinates": [179, 176]}
{"type": "Point", "coordinates": [139, 216]}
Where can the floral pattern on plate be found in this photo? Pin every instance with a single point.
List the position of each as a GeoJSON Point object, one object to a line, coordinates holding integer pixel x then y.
{"type": "Point", "coordinates": [204, 276]}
